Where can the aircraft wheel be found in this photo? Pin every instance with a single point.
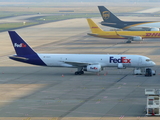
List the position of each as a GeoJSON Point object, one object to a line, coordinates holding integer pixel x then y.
{"type": "Point", "coordinates": [79, 73]}
{"type": "Point", "coordinates": [128, 41]}
{"type": "Point", "coordinates": [76, 73]}
{"type": "Point", "coordinates": [82, 72]}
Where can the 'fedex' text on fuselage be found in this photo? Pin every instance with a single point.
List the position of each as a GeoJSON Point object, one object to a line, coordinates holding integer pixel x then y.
{"type": "Point", "coordinates": [120, 60]}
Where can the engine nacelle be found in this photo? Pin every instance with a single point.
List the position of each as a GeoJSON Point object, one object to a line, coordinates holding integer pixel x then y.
{"type": "Point", "coordinates": [154, 29]}
{"type": "Point", "coordinates": [120, 66]}
{"type": "Point", "coordinates": [137, 38]}
{"type": "Point", "coordinates": [93, 68]}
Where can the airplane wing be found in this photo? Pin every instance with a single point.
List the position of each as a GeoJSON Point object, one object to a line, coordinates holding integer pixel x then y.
{"type": "Point", "coordinates": [131, 38]}
{"type": "Point", "coordinates": [143, 28]}
{"type": "Point", "coordinates": [150, 28]}
{"type": "Point", "coordinates": [78, 63]}
{"type": "Point", "coordinates": [128, 36]}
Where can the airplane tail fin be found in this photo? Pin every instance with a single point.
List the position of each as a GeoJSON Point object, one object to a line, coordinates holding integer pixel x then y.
{"type": "Point", "coordinates": [94, 27]}
{"type": "Point", "coordinates": [107, 15]}
{"type": "Point", "coordinates": [20, 46]}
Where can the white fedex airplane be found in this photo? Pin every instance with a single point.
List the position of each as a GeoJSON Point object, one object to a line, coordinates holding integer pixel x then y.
{"type": "Point", "coordinates": [83, 62]}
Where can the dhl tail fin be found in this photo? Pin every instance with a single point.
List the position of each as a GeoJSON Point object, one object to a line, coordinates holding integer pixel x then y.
{"type": "Point", "coordinates": [94, 27]}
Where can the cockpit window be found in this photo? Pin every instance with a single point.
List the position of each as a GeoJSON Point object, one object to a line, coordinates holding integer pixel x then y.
{"type": "Point", "coordinates": [148, 60]}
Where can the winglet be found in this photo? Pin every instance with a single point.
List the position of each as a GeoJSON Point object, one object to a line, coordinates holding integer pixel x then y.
{"type": "Point", "coordinates": [94, 27]}
{"type": "Point", "coordinates": [20, 46]}
{"type": "Point", "coordinates": [108, 16]}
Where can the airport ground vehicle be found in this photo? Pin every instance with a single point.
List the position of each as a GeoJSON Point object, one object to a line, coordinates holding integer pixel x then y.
{"type": "Point", "coordinates": [149, 72]}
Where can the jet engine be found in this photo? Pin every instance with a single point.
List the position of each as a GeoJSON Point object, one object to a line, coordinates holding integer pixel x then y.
{"type": "Point", "coordinates": [137, 38]}
{"type": "Point", "coordinates": [93, 68]}
{"type": "Point", "coordinates": [154, 29]}
{"type": "Point", "coordinates": [120, 66]}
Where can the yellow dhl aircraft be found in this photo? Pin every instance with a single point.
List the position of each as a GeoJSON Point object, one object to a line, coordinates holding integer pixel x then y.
{"type": "Point", "coordinates": [130, 35]}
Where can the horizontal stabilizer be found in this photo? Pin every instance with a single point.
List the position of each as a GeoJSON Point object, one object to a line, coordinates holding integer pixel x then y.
{"type": "Point", "coordinates": [18, 58]}
{"type": "Point", "coordinates": [92, 34]}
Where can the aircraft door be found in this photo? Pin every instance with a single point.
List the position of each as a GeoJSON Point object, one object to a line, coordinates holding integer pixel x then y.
{"type": "Point", "coordinates": [140, 61]}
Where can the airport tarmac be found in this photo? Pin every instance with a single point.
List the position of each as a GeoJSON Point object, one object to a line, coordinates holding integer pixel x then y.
{"type": "Point", "coordinates": [22, 18]}
{"type": "Point", "coordinates": [33, 91]}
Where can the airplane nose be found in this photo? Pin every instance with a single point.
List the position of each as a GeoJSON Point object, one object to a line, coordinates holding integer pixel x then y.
{"type": "Point", "coordinates": [153, 63]}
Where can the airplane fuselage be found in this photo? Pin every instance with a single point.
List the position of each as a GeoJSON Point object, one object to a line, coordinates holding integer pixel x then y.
{"type": "Point", "coordinates": [63, 60]}
{"type": "Point", "coordinates": [116, 34]}
{"type": "Point", "coordinates": [133, 26]}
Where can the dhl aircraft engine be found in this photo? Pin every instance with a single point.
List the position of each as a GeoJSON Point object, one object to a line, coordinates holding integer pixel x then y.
{"type": "Point", "coordinates": [154, 29]}
{"type": "Point", "coordinates": [93, 68]}
{"type": "Point", "coordinates": [137, 38]}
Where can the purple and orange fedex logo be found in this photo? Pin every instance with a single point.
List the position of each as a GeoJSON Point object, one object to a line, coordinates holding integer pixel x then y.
{"type": "Point", "coordinates": [120, 60]}
{"type": "Point", "coordinates": [95, 68]}
{"type": "Point", "coordinates": [20, 45]}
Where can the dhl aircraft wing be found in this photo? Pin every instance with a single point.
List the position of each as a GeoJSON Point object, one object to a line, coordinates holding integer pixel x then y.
{"type": "Point", "coordinates": [130, 37]}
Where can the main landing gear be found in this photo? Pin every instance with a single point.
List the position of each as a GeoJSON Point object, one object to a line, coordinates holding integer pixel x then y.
{"type": "Point", "coordinates": [80, 71]}
{"type": "Point", "coordinates": [129, 41]}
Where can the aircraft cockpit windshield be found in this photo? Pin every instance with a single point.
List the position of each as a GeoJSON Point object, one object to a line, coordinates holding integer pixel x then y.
{"type": "Point", "coordinates": [148, 60]}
